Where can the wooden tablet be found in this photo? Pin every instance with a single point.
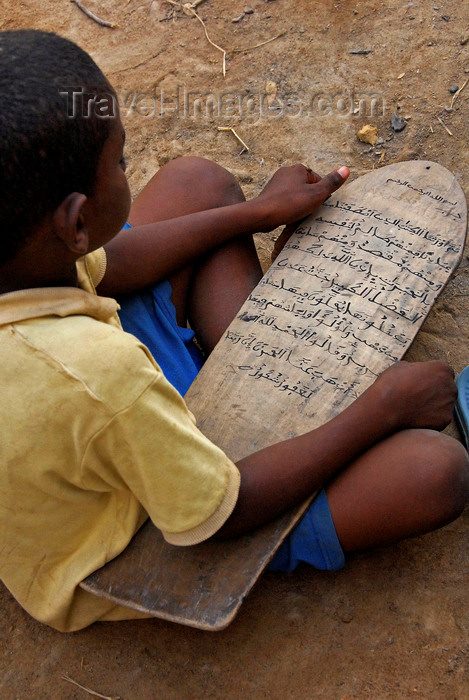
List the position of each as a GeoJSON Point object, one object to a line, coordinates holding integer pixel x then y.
{"type": "Point", "coordinates": [343, 301]}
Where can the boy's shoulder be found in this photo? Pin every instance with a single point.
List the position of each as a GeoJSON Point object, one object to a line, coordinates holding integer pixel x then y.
{"type": "Point", "coordinates": [66, 338]}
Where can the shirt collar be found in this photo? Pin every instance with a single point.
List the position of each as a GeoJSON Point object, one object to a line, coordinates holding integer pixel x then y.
{"type": "Point", "coordinates": [55, 301]}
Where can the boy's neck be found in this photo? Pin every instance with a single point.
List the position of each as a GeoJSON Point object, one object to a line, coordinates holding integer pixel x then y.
{"type": "Point", "coordinates": [33, 269]}
{"type": "Point", "coordinates": [9, 282]}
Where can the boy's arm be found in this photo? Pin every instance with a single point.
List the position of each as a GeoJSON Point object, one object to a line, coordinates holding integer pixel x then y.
{"type": "Point", "coordinates": [407, 395]}
{"type": "Point", "coordinates": [144, 255]}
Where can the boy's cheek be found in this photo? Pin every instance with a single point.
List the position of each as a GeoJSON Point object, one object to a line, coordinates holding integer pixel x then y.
{"type": "Point", "coordinates": [126, 199]}
{"type": "Point", "coordinates": [118, 207]}
{"type": "Point", "coordinates": [110, 215]}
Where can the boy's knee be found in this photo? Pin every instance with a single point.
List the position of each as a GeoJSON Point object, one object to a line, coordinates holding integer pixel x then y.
{"type": "Point", "coordinates": [444, 474]}
{"type": "Point", "coordinates": [211, 177]}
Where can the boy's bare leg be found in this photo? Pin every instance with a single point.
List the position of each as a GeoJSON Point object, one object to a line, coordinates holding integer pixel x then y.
{"type": "Point", "coordinates": [210, 292]}
{"type": "Point", "coordinates": [411, 483]}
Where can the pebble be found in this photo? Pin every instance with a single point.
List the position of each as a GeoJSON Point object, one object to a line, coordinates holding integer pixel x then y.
{"type": "Point", "coordinates": [248, 11]}
{"type": "Point", "coordinates": [346, 617]}
{"type": "Point", "coordinates": [368, 134]}
{"type": "Point", "coordinates": [397, 122]}
{"type": "Point", "coordinates": [238, 19]}
{"type": "Point", "coordinates": [453, 89]}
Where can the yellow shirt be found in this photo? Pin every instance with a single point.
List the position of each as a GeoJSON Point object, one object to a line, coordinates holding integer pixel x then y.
{"type": "Point", "coordinates": [94, 440]}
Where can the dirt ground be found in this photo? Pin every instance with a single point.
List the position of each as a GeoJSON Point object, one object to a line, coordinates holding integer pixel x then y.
{"type": "Point", "coordinates": [392, 624]}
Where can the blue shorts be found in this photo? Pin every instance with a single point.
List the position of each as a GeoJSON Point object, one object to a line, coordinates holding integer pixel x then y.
{"type": "Point", "coordinates": [151, 317]}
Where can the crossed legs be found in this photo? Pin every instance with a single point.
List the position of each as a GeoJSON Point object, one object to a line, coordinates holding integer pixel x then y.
{"type": "Point", "coordinates": [210, 292]}
{"type": "Point", "coordinates": [413, 482]}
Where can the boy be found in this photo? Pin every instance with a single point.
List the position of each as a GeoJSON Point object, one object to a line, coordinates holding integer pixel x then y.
{"type": "Point", "coordinates": [95, 439]}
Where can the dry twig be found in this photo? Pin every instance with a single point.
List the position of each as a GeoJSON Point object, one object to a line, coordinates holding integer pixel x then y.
{"type": "Point", "coordinates": [189, 9]}
{"type": "Point", "coordinates": [88, 690]}
{"type": "Point", "coordinates": [382, 156]}
{"type": "Point", "coordinates": [94, 17]}
{"type": "Point", "coordinates": [237, 136]}
{"type": "Point", "coordinates": [457, 93]}
{"type": "Point", "coordinates": [444, 126]}
{"type": "Point", "coordinates": [263, 43]}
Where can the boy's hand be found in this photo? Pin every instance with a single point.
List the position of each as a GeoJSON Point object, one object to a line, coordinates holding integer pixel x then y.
{"type": "Point", "coordinates": [417, 394]}
{"type": "Point", "coordinates": [295, 192]}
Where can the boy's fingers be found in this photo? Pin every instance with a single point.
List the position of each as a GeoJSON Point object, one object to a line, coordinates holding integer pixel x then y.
{"type": "Point", "coordinates": [330, 183]}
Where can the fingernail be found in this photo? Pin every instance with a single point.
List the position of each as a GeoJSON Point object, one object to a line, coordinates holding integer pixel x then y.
{"type": "Point", "coordinates": [343, 171]}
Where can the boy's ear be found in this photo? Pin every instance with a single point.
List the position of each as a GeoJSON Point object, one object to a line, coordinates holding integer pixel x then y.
{"type": "Point", "coordinates": [69, 223]}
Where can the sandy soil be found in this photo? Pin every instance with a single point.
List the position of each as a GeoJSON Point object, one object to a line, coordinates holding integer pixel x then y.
{"type": "Point", "coordinates": [393, 624]}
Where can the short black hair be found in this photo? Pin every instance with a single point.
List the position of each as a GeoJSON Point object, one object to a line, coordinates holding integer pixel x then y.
{"type": "Point", "coordinates": [46, 152]}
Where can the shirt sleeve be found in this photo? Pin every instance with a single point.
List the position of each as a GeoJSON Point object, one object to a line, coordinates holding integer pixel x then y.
{"type": "Point", "coordinates": [185, 483]}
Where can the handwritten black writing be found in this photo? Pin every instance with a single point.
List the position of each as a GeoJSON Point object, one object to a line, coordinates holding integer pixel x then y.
{"type": "Point", "coordinates": [343, 300]}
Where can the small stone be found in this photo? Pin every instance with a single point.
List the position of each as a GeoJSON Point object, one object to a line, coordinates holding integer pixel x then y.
{"type": "Point", "coordinates": [445, 18]}
{"type": "Point", "coordinates": [346, 617]}
{"type": "Point", "coordinates": [453, 89]}
{"type": "Point", "coordinates": [448, 109]}
{"type": "Point", "coordinates": [398, 123]}
{"type": "Point", "coordinates": [248, 11]}
{"type": "Point", "coordinates": [238, 19]}
{"type": "Point", "coordinates": [368, 134]}
{"type": "Point", "coordinates": [431, 43]}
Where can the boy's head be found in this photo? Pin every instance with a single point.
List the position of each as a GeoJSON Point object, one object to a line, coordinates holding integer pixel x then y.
{"type": "Point", "coordinates": [51, 141]}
